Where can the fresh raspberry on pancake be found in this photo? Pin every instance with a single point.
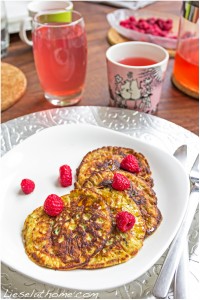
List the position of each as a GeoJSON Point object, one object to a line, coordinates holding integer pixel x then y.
{"type": "Point", "coordinates": [53, 205]}
{"type": "Point", "coordinates": [120, 182]}
{"type": "Point", "coordinates": [125, 221]}
{"type": "Point", "coordinates": [130, 163]}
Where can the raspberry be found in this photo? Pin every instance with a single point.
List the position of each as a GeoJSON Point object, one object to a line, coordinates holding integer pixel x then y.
{"type": "Point", "coordinates": [151, 21]}
{"type": "Point", "coordinates": [27, 186]}
{"type": "Point", "coordinates": [65, 176]}
{"type": "Point", "coordinates": [125, 221]}
{"type": "Point", "coordinates": [130, 163]}
{"type": "Point", "coordinates": [120, 182]}
{"type": "Point", "coordinates": [53, 205]}
{"type": "Point", "coordinates": [132, 19]}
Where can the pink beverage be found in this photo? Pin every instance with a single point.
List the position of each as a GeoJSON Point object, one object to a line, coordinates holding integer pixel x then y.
{"type": "Point", "coordinates": [60, 54]}
{"type": "Point", "coordinates": [137, 61]}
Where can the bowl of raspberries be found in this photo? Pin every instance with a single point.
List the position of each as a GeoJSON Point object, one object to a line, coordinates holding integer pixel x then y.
{"type": "Point", "coordinates": [146, 26]}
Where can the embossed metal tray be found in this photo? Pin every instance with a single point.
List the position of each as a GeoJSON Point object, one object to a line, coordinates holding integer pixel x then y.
{"type": "Point", "coordinates": [151, 129]}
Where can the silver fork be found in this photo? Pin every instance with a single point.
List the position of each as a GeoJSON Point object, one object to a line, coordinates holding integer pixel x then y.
{"type": "Point", "coordinates": [165, 277]}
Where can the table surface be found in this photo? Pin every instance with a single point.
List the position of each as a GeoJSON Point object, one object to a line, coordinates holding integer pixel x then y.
{"type": "Point", "coordinates": [174, 105]}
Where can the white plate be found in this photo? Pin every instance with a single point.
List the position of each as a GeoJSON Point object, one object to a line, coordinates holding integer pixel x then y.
{"type": "Point", "coordinates": [39, 158]}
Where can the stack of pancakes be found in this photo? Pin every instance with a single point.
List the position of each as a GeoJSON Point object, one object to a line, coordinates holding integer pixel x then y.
{"type": "Point", "coordinates": [85, 235]}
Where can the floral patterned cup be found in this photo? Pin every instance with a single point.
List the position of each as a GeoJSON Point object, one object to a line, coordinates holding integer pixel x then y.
{"type": "Point", "coordinates": [136, 87]}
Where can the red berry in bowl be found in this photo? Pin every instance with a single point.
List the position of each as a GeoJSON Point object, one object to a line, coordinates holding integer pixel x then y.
{"type": "Point", "coordinates": [65, 176]}
{"type": "Point", "coordinates": [124, 221]}
{"type": "Point", "coordinates": [120, 182]}
{"type": "Point", "coordinates": [132, 19]}
{"type": "Point", "coordinates": [151, 21]}
{"type": "Point", "coordinates": [53, 205]}
{"type": "Point", "coordinates": [130, 163]}
{"type": "Point", "coordinates": [27, 186]}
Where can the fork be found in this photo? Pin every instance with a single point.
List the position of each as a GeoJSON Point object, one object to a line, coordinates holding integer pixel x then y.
{"type": "Point", "coordinates": [165, 277]}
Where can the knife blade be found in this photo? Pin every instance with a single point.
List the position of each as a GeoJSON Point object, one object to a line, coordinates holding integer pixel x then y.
{"type": "Point", "coordinates": [165, 277]}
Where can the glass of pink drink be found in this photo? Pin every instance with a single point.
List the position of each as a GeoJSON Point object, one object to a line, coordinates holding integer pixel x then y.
{"type": "Point", "coordinates": [60, 53]}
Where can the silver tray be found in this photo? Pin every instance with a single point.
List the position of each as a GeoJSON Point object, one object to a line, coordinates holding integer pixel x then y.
{"type": "Point", "coordinates": [153, 130]}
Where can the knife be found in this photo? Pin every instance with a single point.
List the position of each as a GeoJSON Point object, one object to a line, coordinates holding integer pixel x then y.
{"type": "Point", "coordinates": [181, 278]}
{"type": "Point", "coordinates": [165, 277]}
{"type": "Point", "coordinates": [181, 288]}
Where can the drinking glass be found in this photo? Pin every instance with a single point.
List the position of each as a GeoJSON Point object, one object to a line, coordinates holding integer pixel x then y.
{"type": "Point", "coordinates": [4, 31]}
{"type": "Point", "coordinates": [34, 7]}
{"type": "Point", "coordinates": [60, 53]}
{"type": "Point", "coordinates": [186, 65]}
{"type": "Point", "coordinates": [136, 71]}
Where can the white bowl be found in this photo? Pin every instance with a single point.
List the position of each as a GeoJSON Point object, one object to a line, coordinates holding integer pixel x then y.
{"type": "Point", "coordinates": [118, 15]}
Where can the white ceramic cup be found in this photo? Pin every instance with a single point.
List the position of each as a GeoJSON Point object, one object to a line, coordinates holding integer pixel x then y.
{"type": "Point", "coordinates": [35, 7]}
{"type": "Point", "coordinates": [136, 87]}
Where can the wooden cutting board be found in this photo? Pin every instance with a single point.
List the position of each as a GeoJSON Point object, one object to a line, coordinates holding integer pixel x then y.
{"type": "Point", "coordinates": [185, 90]}
{"type": "Point", "coordinates": [115, 38]}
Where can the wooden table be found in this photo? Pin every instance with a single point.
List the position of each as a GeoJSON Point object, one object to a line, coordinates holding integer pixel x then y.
{"type": "Point", "coordinates": [174, 105]}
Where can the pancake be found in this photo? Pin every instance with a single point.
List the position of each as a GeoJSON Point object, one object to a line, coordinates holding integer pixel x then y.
{"type": "Point", "coordinates": [82, 229]}
{"type": "Point", "coordinates": [37, 240]}
{"type": "Point", "coordinates": [121, 246]}
{"type": "Point", "coordinates": [109, 158]}
{"type": "Point", "coordinates": [140, 192]}
{"type": "Point", "coordinates": [69, 240]}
